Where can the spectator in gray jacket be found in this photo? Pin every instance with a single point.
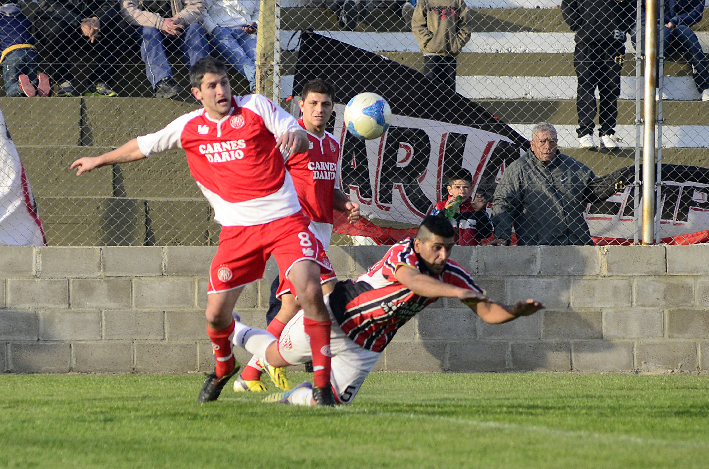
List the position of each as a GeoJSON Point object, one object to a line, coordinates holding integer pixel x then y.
{"type": "Point", "coordinates": [544, 195]}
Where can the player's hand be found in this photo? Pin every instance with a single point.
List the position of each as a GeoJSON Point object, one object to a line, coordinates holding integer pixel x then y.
{"type": "Point", "coordinates": [526, 308]}
{"type": "Point", "coordinates": [292, 142]}
{"type": "Point", "coordinates": [84, 165]}
{"type": "Point", "coordinates": [90, 28]}
{"type": "Point", "coordinates": [172, 26]}
{"type": "Point", "coordinates": [352, 209]}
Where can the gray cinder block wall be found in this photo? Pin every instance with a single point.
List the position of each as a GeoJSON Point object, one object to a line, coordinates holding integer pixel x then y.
{"type": "Point", "coordinates": [141, 309]}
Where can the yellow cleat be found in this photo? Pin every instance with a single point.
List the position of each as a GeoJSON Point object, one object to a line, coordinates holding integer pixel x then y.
{"type": "Point", "coordinates": [241, 385]}
{"type": "Point", "coordinates": [278, 376]}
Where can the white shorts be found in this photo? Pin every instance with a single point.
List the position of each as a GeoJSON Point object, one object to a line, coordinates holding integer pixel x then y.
{"type": "Point", "coordinates": [351, 364]}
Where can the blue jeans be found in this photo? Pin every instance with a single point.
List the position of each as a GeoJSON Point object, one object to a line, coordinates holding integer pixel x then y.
{"type": "Point", "coordinates": [684, 41]}
{"type": "Point", "coordinates": [16, 63]}
{"type": "Point", "coordinates": [193, 42]}
{"type": "Point", "coordinates": [238, 49]}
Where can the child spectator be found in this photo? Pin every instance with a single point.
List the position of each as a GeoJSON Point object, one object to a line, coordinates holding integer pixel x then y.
{"type": "Point", "coordinates": [19, 55]}
{"type": "Point", "coordinates": [471, 221]}
{"type": "Point", "coordinates": [231, 26]}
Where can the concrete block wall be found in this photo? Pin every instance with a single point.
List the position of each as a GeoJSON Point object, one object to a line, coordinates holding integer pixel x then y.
{"type": "Point", "coordinates": [141, 309]}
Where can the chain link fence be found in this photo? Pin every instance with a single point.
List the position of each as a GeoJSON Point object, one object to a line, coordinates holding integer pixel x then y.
{"type": "Point", "coordinates": [517, 70]}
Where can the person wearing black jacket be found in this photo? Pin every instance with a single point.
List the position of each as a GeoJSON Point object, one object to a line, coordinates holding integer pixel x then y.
{"type": "Point", "coordinates": [65, 26]}
{"type": "Point", "coordinates": [600, 27]}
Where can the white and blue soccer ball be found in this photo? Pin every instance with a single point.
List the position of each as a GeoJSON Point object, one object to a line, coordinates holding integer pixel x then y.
{"type": "Point", "coordinates": [367, 116]}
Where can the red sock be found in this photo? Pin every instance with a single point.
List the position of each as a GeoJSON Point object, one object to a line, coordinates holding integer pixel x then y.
{"type": "Point", "coordinates": [319, 333]}
{"type": "Point", "coordinates": [276, 327]}
{"type": "Point", "coordinates": [249, 373]}
{"type": "Point", "coordinates": [221, 344]}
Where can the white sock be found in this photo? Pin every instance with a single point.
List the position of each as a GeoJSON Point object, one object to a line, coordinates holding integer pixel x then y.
{"type": "Point", "coordinates": [255, 341]}
{"type": "Point", "coordinates": [302, 396]}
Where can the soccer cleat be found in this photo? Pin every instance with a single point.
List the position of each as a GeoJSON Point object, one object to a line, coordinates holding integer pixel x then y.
{"type": "Point", "coordinates": [324, 396]}
{"type": "Point", "coordinates": [610, 142]}
{"type": "Point", "coordinates": [277, 375]}
{"type": "Point", "coordinates": [44, 88]}
{"type": "Point", "coordinates": [587, 142]}
{"type": "Point", "coordinates": [241, 385]}
{"type": "Point", "coordinates": [705, 95]}
{"type": "Point", "coordinates": [282, 397]}
{"type": "Point", "coordinates": [212, 387]}
{"type": "Point", "coordinates": [25, 85]}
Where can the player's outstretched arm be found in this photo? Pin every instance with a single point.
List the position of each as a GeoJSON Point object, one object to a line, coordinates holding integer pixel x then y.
{"type": "Point", "coordinates": [124, 154]}
{"type": "Point", "coordinates": [495, 313]}
{"type": "Point", "coordinates": [430, 287]}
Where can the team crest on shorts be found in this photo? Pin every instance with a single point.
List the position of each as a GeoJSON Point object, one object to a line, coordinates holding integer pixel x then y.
{"type": "Point", "coordinates": [286, 344]}
{"type": "Point", "coordinates": [237, 121]}
{"type": "Point", "coordinates": [224, 274]}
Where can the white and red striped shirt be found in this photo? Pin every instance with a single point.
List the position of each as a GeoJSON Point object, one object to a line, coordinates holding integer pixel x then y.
{"type": "Point", "coordinates": [316, 175]}
{"type": "Point", "coordinates": [235, 160]}
{"type": "Point", "coordinates": [372, 309]}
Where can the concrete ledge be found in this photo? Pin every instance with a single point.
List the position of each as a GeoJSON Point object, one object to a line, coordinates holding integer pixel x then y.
{"type": "Point", "coordinates": [141, 309]}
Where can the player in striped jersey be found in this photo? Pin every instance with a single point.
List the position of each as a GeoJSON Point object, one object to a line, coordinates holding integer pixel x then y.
{"type": "Point", "coordinates": [368, 312]}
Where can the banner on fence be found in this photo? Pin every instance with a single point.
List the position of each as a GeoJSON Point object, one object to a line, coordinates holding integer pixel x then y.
{"type": "Point", "coordinates": [396, 178]}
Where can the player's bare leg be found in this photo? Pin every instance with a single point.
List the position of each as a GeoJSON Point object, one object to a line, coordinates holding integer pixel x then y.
{"type": "Point", "coordinates": [305, 277]}
{"type": "Point", "coordinates": [224, 331]}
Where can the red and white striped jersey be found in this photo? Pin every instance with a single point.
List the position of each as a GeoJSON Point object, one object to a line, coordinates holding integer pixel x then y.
{"type": "Point", "coordinates": [235, 160]}
{"type": "Point", "coordinates": [316, 175]}
{"type": "Point", "coordinates": [372, 309]}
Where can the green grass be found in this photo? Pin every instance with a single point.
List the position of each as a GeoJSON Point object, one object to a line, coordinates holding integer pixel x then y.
{"type": "Point", "coordinates": [398, 420]}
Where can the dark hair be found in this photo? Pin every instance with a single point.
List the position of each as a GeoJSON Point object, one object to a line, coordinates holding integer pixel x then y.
{"type": "Point", "coordinates": [202, 67]}
{"type": "Point", "coordinates": [318, 85]}
{"type": "Point", "coordinates": [435, 225]}
{"type": "Point", "coordinates": [459, 174]}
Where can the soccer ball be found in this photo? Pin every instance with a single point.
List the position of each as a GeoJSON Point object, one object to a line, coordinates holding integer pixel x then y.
{"type": "Point", "coordinates": [367, 116]}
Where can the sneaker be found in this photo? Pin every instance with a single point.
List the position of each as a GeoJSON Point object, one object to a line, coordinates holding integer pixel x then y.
{"type": "Point", "coordinates": [66, 90]}
{"type": "Point", "coordinates": [44, 88]}
{"type": "Point", "coordinates": [26, 87]}
{"type": "Point", "coordinates": [102, 89]}
{"type": "Point", "coordinates": [282, 397]}
{"type": "Point", "coordinates": [610, 142]}
{"type": "Point", "coordinates": [705, 95]}
{"type": "Point", "coordinates": [241, 385]}
{"type": "Point", "coordinates": [407, 12]}
{"type": "Point", "coordinates": [167, 88]}
{"type": "Point", "coordinates": [212, 387]}
{"type": "Point", "coordinates": [324, 396]}
{"type": "Point", "coordinates": [277, 375]}
{"type": "Point", "coordinates": [587, 142]}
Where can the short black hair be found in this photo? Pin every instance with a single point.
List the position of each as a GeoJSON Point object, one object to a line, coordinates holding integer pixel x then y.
{"type": "Point", "coordinates": [459, 174]}
{"type": "Point", "coordinates": [435, 225]}
{"type": "Point", "coordinates": [318, 85]}
{"type": "Point", "coordinates": [202, 67]}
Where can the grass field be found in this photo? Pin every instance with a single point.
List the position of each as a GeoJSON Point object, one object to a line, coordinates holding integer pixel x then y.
{"type": "Point", "coordinates": [511, 420]}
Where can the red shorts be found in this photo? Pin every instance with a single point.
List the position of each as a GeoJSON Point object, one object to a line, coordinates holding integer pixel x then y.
{"type": "Point", "coordinates": [285, 285]}
{"type": "Point", "coordinates": [243, 251]}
